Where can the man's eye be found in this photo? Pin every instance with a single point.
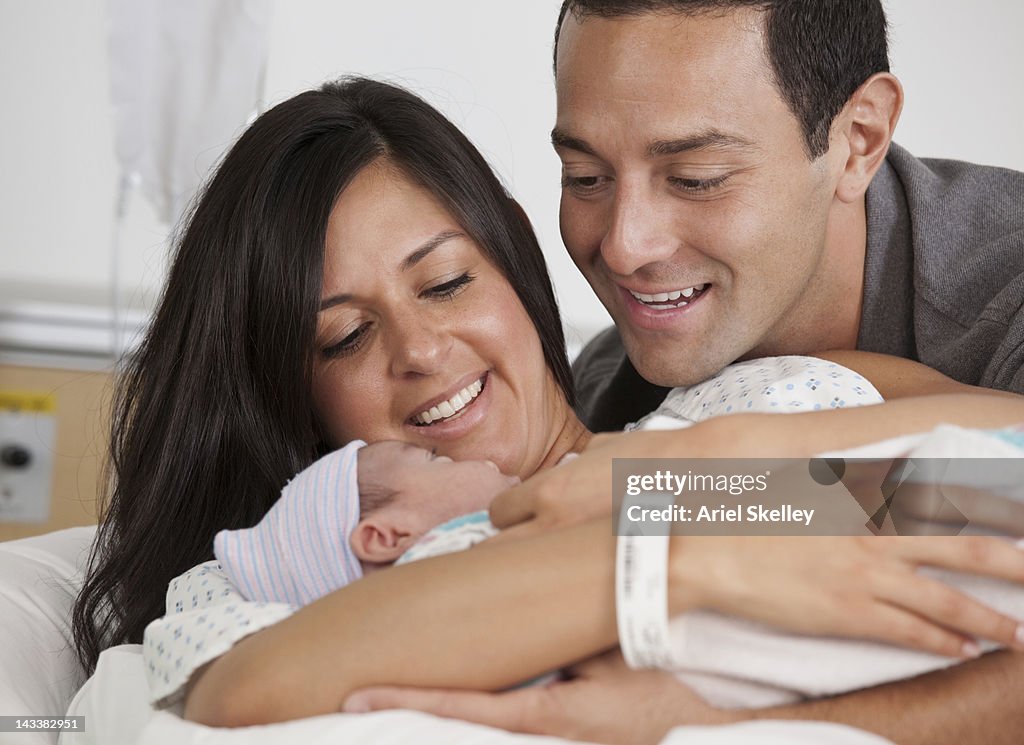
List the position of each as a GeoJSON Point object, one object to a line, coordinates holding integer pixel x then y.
{"type": "Point", "coordinates": [450, 288]}
{"type": "Point", "coordinates": [349, 344]}
{"type": "Point", "coordinates": [583, 185]}
{"type": "Point", "coordinates": [697, 185]}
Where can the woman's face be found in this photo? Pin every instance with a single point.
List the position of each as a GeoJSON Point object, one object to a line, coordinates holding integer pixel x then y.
{"type": "Point", "coordinates": [421, 339]}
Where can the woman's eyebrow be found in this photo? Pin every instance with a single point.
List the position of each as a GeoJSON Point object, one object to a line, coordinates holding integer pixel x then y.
{"type": "Point", "coordinates": [423, 251]}
{"type": "Point", "coordinates": [408, 262]}
{"type": "Point", "coordinates": [330, 302]}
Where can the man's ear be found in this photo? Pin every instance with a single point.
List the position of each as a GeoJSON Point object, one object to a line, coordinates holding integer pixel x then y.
{"type": "Point", "coordinates": [380, 541]}
{"type": "Point", "coordinates": [867, 123]}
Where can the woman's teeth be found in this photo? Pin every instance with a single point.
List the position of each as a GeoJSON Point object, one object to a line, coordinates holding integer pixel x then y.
{"type": "Point", "coordinates": [451, 407]}
{"type": "Point", "coordinates": [662, 300]}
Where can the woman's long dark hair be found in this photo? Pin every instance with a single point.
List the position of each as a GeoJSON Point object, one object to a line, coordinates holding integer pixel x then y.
{"type": "Point", "coordinates": [213, 413]}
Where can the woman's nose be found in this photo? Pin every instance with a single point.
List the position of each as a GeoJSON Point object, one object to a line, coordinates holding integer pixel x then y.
{"type": "Point", "coordinates": [418, 347]}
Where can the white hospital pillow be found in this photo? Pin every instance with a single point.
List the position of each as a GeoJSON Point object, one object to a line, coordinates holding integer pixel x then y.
{"type": "Point", "coordinates": [114, 701]}
{"type": "Point", "coordinates": [39, 578]}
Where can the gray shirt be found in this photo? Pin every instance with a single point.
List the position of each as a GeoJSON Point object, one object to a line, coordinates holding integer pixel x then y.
{"type": "Point", "coordinates": [943, 284]}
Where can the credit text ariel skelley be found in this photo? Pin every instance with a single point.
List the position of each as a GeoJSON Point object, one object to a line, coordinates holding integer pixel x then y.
{"type": "Point", "coordinates": [751, 513]}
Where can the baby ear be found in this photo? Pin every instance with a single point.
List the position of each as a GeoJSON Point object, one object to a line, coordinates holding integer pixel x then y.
{"type": "Point", "coordinates": [378, 540]}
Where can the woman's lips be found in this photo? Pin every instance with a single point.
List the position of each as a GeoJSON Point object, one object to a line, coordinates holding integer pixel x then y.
{"type": "Point", "coordinates": [450, 407]}
{"type": "Point", "coordinates": [454, 426]}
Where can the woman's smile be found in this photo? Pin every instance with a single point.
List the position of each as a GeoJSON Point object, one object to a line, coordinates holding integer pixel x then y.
{"type": "Point", "coordinates": [450, 407]}
{"type": "Point", "coordinates": [446, 408]}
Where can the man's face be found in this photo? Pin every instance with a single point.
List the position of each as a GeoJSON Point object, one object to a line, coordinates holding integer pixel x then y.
{"type": "Point", "coordinates": [688, 200]}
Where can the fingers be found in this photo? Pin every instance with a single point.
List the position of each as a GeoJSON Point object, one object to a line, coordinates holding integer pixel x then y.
{"type": "Point", "coordinates": [983, 555]}
{"type": "Point", "coordinates": [512, 507]}
{"type": "Point", "coordinates": [866, 587]}
{"type": "Point", "coordinates": [896, 625]}
{"type": "Point", "coordinates": [504, 710]}
{"type": "Point", "coordinates": [566, 495]}
{"type": "Point", "coordinates": [960, 616]}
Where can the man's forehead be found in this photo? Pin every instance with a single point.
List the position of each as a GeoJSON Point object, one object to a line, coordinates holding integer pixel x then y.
{"type": "Point", "coordinates": [679, 82]}
{"type": "Point", "coordinates": [680, 30]}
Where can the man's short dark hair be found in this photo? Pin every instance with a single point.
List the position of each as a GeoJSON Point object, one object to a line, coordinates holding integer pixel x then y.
{"type": "Point", "coordinates": [820, 51]}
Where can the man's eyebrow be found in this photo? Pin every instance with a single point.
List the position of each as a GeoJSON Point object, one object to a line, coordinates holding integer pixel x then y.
{"type": "Point", "coordinates": [706, 140]}
{"type": "Point", "coordinates": [561, 139]}
{"type": "Point", "coordinates": [416, 256]}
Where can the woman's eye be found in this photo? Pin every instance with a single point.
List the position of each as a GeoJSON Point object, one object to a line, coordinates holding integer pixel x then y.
{"type": "Point", "coordinates": [583, 185]}
{"type": "Point", "coordinates": [697, 185]}
{"type": "Point", "coordinates": [349, 344]}
{"type": "Point", "coordinates": [450, 288]}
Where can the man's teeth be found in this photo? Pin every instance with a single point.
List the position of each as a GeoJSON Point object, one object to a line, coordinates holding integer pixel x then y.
{"type": "Point", "coordinates": [668, 297]}
{"type": "Point", "coordinates": [452, 406]}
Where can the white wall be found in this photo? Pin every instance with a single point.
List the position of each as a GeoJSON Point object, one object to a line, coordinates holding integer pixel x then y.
{"type": "Point", "coordinates": [486, 64]}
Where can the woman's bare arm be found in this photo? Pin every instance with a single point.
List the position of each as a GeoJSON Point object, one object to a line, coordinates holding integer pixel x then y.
{"type": "Point", "coordinates": [484, 618]}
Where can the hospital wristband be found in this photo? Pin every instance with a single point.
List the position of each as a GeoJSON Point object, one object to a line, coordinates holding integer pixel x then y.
{"type": "Point", "coordinates": [641, 600]}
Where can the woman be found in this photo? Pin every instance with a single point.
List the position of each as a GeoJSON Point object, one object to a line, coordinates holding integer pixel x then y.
{"type": "Point", "coordinates": [353, 263]}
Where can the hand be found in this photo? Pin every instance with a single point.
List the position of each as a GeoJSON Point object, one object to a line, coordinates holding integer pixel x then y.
{"type": "Point", "coordinates": [604, 702]}
{"type": "Point", "coordinates": [573, 492]}
{"type": "Point", "coordinates": [863, 586]}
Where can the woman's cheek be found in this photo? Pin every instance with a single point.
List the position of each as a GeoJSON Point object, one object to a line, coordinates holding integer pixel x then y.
{"type": "Point", "coordinates": [347, 400]}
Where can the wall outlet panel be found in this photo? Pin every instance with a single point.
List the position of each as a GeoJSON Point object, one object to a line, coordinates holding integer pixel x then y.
{"type": "Point", "coordinates": [28, 434]}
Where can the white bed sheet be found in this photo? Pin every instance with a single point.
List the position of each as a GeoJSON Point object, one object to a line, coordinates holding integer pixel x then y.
{"type": "Point", "coordinates": [114, 703]}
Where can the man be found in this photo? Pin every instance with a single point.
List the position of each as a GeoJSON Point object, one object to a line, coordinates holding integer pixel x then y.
{"type": "Point", "coordinates": [729, 191]}
{"type": "Point", "coordinates": [738, 162]}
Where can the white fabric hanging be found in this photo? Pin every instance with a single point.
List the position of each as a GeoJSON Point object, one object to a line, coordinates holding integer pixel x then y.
{"type": "Point", "coordinates": [186, 75]}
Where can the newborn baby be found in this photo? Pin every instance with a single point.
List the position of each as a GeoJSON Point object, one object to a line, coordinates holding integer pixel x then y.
{"type": "Point", "coordinates": [360, 508]}
{"type": "Point", "coordinates": [415, 503]}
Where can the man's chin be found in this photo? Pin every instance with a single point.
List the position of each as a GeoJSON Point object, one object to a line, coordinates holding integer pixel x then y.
{"type": "Point", "coordinates": [672, 371]}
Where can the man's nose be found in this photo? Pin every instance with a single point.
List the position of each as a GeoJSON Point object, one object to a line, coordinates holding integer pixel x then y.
{"type": "Point", "coordinates": [640, 230]}
{"type": "Point", "coordinates": [418, 346]}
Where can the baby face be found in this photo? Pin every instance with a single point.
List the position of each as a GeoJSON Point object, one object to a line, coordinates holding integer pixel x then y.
{"type": "Point", "coordinates": [430, 489]}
